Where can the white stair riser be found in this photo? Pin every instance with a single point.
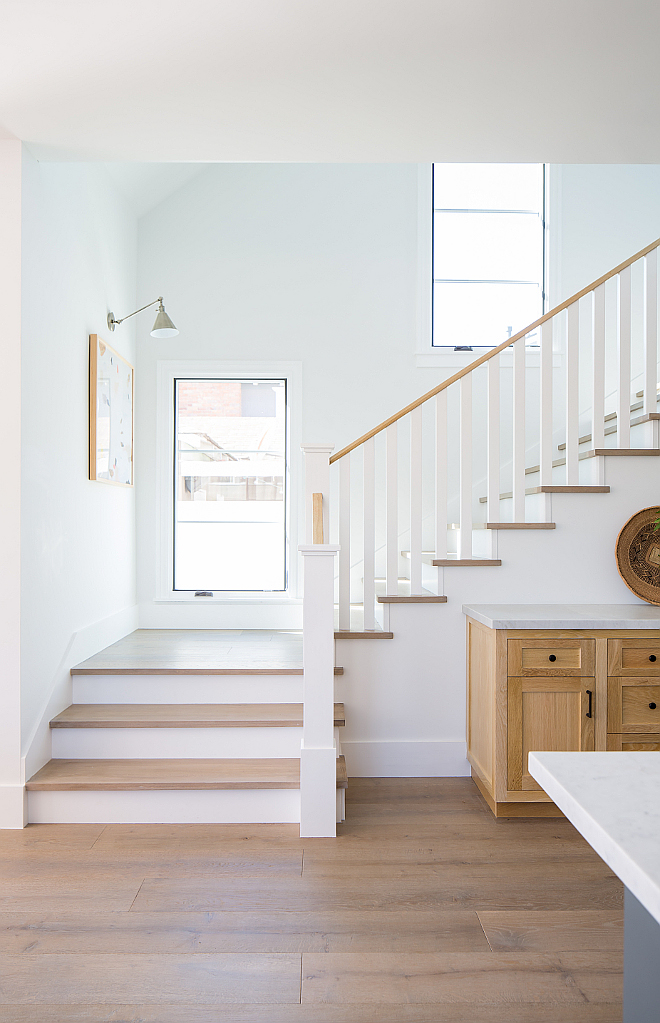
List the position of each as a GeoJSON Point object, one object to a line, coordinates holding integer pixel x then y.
{"type": "Point", "coordinates": [174, 743]}
{"type": "Point", "coordinates": [187, 688]}
{"type": "Point", "coordinates": [179, 806]}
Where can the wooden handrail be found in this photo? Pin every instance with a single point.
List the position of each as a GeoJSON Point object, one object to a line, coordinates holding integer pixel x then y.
{"type": "Point", "coordinates": [495, 351]}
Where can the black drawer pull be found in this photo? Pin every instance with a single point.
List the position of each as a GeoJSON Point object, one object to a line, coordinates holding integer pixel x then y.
{"type": "Point", "coordinates": [652, 706]}
{"type": "Point", "coordinates": [653, 657]}
{"type": "Point", "coordinates": [552, 657]}
{"type": "Point", "coordinates": [590, 695]}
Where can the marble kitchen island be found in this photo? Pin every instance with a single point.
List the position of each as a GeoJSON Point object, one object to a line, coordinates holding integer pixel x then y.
{"type": "Point", "coordinates": [613, 800]}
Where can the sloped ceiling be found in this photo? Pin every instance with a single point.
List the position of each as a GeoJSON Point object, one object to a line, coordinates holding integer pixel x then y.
{"type": "Point", "coordinates": [337, 80]}
{"type": "Point", "coordinates": [146, 185]}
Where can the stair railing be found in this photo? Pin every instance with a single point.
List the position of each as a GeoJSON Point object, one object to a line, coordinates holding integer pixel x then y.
{"type": "Point", "coordinates": [490, 429]}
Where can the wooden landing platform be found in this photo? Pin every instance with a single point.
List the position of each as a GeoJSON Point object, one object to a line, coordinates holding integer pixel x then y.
{"type": "Point", "coordinates": [200, 652]}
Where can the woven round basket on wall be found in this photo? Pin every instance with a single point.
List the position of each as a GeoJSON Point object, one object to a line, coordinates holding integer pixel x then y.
{"type": "Point", "coordinates": [638, 555]}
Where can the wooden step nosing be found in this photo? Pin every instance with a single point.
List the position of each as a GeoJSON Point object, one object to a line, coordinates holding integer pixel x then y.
{"type": "Point", "coordinates": [432, 599]}
{"type": "Point", "coordinates": [521, 525]}
{"type": "Point", "coordinates": [365, 634]}
{"type": "Point", "coordinates": [635, 452]}
{"type": "Point", "coordinates": [255, 670]}
{"type": "Point", "coordinates": [551, 489]}
{"type": "Point", "coordinates": [467, 562]}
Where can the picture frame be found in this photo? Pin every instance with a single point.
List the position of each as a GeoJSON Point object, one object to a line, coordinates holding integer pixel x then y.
{"type": "Point", "coordinates": [111, 415]}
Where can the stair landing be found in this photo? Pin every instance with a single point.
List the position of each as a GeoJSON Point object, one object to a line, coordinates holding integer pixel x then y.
{"type": "Point", "coordinates": [198, 651]}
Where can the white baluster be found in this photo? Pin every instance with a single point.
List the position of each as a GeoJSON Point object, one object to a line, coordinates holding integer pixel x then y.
{"type": "Point", "coordinates": [369, 535]}
{"type": "Point", "coordinates": [465, 471]}
{"type": "Point", "coordinates": [493, 442]}
{"type": "Point", "coordinates": [651, 332]}
{"type": "Point", "coordinates": [545, 455]}
{"type": "Point", "coordinates": [519, 430]}
{"type": "Point", "coordinates": [572, 396]}
{"type": "Point", "coordinates": [441, 474]}
{"type": "Point", "coordinates": [598, 358]}
{"type": "Point", "coordinates": [345, 543]}
{"type": "Point", "coordinates": [391, 511]}
{"type": "Point", "coordinates": [623, 347]}
{"type": "Point", "coordinates": [416, 502]}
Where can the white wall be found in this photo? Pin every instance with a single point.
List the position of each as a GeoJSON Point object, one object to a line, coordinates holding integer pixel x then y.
{"type": "Point", "coordinates": [77, 537]}
{"type": "Point", "coordinates": [599, 215]}
{"type": "Point", "coordinates": [308, 263]}
{"type": "Point", "coordinates": [12, 802]}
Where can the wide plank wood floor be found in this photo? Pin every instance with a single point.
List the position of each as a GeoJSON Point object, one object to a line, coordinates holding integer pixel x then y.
{"type": "Point", "coordinates": [424, 910]}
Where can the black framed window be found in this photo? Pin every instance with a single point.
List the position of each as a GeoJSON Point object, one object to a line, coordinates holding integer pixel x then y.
{"type": "Point", "coordinates": [488, 252]}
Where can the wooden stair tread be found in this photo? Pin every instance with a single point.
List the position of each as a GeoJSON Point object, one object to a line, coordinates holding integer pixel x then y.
{"type": "Point", "coordinates": [464, 562]}
{"type": "Point", "coordinates": [623, 451]}
{"type": "Point", "coordinates": [194, 715]}
{"type": "Point", "coordinates": [422, 598]}
{"type": "Point", "coordinates": [253, 669]}
{"type": "Point", "coordinates": [365, 634]}
{"type": "Point", "coordinates": [521, 525]}
{"type": "Point", "coordinates": [552, 489]}
{"type": "Point", "coordinates": [125, 775]}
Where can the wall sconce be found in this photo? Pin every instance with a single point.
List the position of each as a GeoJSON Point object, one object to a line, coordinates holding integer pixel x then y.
{"type": "Point", "coordinates": [163, 326]}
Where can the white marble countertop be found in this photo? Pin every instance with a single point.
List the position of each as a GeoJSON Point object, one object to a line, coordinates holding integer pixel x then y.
{"type": "Point", "coordinates": [565, 616]}
{"type": "Point", "coordinates": [613, 799]}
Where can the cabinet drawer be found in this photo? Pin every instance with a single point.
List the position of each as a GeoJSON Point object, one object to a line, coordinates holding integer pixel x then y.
{"type": "Point", "coordinates": [633, 656]}
{"type": "Point", "coordinates": [551, 657]}
{"type": "Point", "coordinates": [633, 705]}
{"type": "Point", "coordinates": [640, 742]}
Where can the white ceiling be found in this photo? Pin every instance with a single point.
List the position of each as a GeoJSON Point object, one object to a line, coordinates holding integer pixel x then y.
{"type": "Point", "coordinates": [315, 80]}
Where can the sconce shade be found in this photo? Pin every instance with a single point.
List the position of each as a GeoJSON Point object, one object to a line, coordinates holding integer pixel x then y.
{"type": "Point", "coordinates": [163, 326]}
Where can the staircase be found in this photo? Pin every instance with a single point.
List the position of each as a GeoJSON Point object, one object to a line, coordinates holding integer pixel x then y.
{"type": "Point", "coordinates": [487, 488]}
{"type": "Point", "coordinates": [433, 486]}
{"type": "Point", "coordinates": [129, 750]}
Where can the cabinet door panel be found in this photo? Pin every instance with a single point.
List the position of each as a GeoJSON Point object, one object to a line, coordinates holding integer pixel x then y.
{"type": "Point", "coordinates": [547, 714]}
{"type": "Point", "coordinates": [633, 704]}
{"type": "Point", "coordinates": [551, 657]}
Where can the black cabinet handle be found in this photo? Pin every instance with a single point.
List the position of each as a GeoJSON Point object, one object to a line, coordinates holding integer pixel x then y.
{"type": "Point", "coordinates": [590, 695]}
{"type": "Point", "coordinates": [652, 706]}
{"type": "Point", "coordinates": [552, 657]}
{"type": "Point", "coordinates": [653, 657]}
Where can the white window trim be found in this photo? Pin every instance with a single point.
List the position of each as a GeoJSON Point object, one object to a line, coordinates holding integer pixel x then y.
{"type": "Point", "coordinates": [167, 373]}
{"type": "Point", "coordinates": [427, 357]}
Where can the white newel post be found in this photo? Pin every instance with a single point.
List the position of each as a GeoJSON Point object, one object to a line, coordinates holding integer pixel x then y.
{"type": "Point", "coordinates": [318, 754]}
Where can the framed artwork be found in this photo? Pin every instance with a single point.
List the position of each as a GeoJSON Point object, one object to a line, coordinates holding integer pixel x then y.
{"type": "Point", "coordinates": [110, 415]}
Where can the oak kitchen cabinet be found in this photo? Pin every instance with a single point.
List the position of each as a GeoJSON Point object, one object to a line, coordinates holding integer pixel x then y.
{"type": "Point", "coordinates": [556, 677]}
